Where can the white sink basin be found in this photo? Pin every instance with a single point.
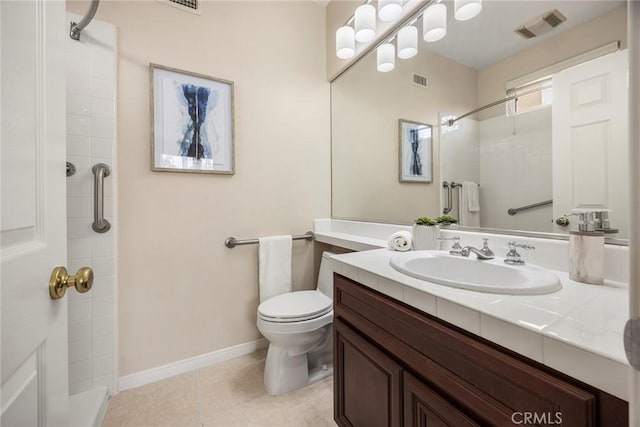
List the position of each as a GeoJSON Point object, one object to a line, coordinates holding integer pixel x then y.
{"type": "Point", "coordinates": [493, 276]}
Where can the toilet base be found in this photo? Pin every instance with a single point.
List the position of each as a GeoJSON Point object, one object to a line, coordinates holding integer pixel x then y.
{"type": "Point", "coordinates": [284, 373]}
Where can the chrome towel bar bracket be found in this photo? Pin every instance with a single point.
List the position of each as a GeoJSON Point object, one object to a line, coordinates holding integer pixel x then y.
{"type": "Point", "coordinates": [232, 242]}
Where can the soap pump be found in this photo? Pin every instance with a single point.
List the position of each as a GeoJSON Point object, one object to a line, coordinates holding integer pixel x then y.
{"type": "Point", "coordinates": [586, 250]}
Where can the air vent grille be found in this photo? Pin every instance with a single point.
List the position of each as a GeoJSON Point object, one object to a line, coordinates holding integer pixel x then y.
{"type": "Point", "coordinates": [191, 4]}
{"type": "Point", "coordinates": [420, 80]}
{"type": "Point", "coordinates": [554, 18]}
{"type": "Point", "coordinates": [541, 25]}
{"type": "Point", "coordinates": [525, 33]}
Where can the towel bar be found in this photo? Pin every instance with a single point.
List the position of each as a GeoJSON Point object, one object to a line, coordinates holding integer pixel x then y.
{"type": "Point", "coordinates": [232, 242]}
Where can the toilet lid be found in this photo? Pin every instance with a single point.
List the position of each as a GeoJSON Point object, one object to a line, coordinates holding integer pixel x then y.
{"type": "Point", "coordinates": [301, 305]}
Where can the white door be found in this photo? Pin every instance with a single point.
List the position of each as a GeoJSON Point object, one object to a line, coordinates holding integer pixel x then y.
{"type": "Point", "coordinates": [590, 140]}
{"type": "Point", "coordinates": [33, 225]}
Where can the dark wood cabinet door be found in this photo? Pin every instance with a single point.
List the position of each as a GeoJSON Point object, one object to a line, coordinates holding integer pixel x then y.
{"type": "Point", "coordinates": [425, 408]}
{"type": "Point", "coordinates": [367, 382]}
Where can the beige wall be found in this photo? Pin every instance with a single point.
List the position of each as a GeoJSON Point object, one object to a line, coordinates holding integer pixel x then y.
{"type": "Point", "coordinates": [366, 106]}
{"type": "Point", "coordinates": [590, 35]}
{"type": "Point", "coordinates": [182, 293]}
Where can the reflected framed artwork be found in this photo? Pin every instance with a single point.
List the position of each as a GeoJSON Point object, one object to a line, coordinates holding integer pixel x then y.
{"type": "Point", "coordinates": [415, 152]}
{"type": "Point", "coordinates": [192, 122]}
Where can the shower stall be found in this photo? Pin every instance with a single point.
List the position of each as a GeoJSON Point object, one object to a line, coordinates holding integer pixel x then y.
{"type": "Point", "coordinates": [91, 71]}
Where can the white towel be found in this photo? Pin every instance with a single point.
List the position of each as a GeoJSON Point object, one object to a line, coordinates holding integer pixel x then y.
{"type": "Point", "coordinates": [274, 263]}
{"type": "Point", "coordinates": [473, 197]}
{"type": "Point", "coordinates": [469, 205]}
{"type": "Point", "coordinates": [400, 241]}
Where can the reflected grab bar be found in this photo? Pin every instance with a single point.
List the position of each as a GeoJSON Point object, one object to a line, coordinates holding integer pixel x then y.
{"type": "Point", "coordinates": [449, 186]}
{"type": "Point", "coordinates": [513, 211]}
{"type": "Point", "coordinates": [100, 172]}
{"type": "Point", "coordinates": [449, 206]}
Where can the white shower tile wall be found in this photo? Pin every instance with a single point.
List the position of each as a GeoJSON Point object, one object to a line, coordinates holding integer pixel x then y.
{"type": "Point", "coordinates": [91, 139]}
{"type": "Point", "coordinates": [515, 170]}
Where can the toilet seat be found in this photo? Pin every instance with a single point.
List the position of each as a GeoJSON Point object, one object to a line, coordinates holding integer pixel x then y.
{"type": "Point", "coordinates": [295, 307]}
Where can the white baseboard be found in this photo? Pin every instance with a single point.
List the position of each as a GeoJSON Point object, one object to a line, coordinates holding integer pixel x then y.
{"type": "Point", "coordinates": [187, 365]}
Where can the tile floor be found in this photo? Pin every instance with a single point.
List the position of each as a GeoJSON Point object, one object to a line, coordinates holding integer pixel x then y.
{"type": "Point", "coordinates": [224, 395]}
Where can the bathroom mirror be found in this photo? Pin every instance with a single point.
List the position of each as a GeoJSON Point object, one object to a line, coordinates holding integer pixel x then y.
{"type": "Point", "coordinates": [560, 145]}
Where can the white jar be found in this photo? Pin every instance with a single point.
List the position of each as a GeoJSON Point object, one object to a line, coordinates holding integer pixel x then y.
{"type": "Point", "coordinates": [425, 237]}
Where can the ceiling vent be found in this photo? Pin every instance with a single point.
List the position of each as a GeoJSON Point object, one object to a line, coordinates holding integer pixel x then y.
{"type": "Point", "coordinates": [184, 5]}
{"type": "Point", "coordinates": [419, 80]}
{"type": "Point", "coordinates": [541, 25]}
{"type": "Point", "coordinates": [190, 4]}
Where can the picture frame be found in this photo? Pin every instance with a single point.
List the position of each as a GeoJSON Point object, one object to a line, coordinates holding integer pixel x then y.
{"type": "Point", "coordinates": [192, 122]}
{"type": "Point", "coordinates": [415, 141]}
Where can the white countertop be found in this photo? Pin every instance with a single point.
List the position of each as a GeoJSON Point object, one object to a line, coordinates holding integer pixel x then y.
{"type": "Point", "coordinates": [576, 330]}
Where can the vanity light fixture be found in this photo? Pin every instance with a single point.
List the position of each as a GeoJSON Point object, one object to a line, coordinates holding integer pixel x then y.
{"type": "Point", "coordinates": [365, 23]}
{"type": "Point", "coordinates": [464, 10]}
{"type": "Point", "coordinates": [434, 22]}
{"type": "Point", "coordinates": [345, 42]}
{"type": "Point", "coordinates": [407, 42]}
{"type": "Point", "coordinates": [386, 56]}
{"type": "Point", "coordinates": [389, 10]}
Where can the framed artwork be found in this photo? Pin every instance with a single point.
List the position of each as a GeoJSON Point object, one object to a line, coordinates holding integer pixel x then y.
{"type": "Point", "coordinates": [192, 122]}
{"type": "Point", "coordinates": [416, 152]}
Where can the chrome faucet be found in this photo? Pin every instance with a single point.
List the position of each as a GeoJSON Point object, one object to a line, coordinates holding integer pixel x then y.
{"type": "Point", "coordinates": [455, 248]}
{"type": "Point", "coordinates": [485, 248]}
{"type": "Point", "coordinates": [481, 253]}
{"type": "Point", "coordinates": [513, 257]}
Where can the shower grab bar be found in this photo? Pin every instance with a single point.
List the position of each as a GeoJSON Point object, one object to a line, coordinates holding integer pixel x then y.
{"type": "Point", "coordinates": [449, 205]}
{"type": "Point", "coordinates": [513, 211]}
{"type": "Point", "coordinates": [76, 28]}
{"type": "Point", "coordinates": [232, 242]}
{"type": "Point", "coordinates": [100, 172]}
{"type": "Point", "coordinates": [449, 186]}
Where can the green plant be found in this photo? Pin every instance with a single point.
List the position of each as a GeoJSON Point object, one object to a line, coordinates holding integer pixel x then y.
{"type": "Point", "coordinates": [425, 220]}
{"type": "Point", "coordinates": [446, 219]}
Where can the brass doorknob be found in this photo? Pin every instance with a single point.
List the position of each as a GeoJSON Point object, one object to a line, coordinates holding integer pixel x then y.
{"type": "Point", "coordinates": [562, 221]}
{"type": "Point", "coordinates": [61, 280]}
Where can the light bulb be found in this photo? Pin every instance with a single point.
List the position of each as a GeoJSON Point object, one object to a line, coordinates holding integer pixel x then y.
{"type": "Point", "coordinates": [365, 23]}
{"type": "Point", "coordinates": [466, 9]}
{"type": "Point", "coordinates": [434, 22]}
{"type": "Point", "coordinates": [407, 42]}
{"type": "Point", "coordinates": [386, 56]}
{"type": "Point", "coordinates": [389, 10]}
{"type": "Point", "coordinates": [345, 42]}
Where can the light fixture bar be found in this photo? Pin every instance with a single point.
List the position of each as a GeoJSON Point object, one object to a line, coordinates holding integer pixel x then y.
{"type": "Point", "coordinates": [391, 32]}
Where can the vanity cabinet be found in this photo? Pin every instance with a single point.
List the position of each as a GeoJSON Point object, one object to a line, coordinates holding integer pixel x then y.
{"type": "Point", "coordinates": [397, 366]}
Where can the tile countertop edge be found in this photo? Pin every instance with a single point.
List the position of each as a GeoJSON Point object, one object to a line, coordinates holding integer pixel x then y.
{"type": "Point", "coordinates": [349, 241]}
{"type": "Point", "coordinates": [450, 305]}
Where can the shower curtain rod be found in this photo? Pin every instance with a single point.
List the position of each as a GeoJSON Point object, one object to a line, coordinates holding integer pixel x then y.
{"type": "Point", "coordinates": [76, 29]}
{"type": "Point", "coordinates": [450, 122]}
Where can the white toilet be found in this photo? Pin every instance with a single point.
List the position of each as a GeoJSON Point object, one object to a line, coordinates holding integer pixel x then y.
{"type": "Point", "coordinates": [298, 327]}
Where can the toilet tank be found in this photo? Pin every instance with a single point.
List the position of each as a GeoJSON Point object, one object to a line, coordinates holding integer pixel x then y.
{"type": "Point", "coordinates": [325, 277]}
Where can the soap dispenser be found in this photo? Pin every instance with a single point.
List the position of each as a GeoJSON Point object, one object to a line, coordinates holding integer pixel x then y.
{"type": "Point", "coordinates": [586, 250]}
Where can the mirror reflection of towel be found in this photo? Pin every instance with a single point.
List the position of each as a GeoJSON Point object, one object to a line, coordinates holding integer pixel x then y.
{"type": "Point", "coordinates": [473, 199]}
{"type": "Point", "coordinates": [469, 204]}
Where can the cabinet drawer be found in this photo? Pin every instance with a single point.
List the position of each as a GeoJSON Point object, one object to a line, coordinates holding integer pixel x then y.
{"type": "Point", "coordinates": [425, 408]}
{"type": "Point", "coordinates": [487, 383]}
